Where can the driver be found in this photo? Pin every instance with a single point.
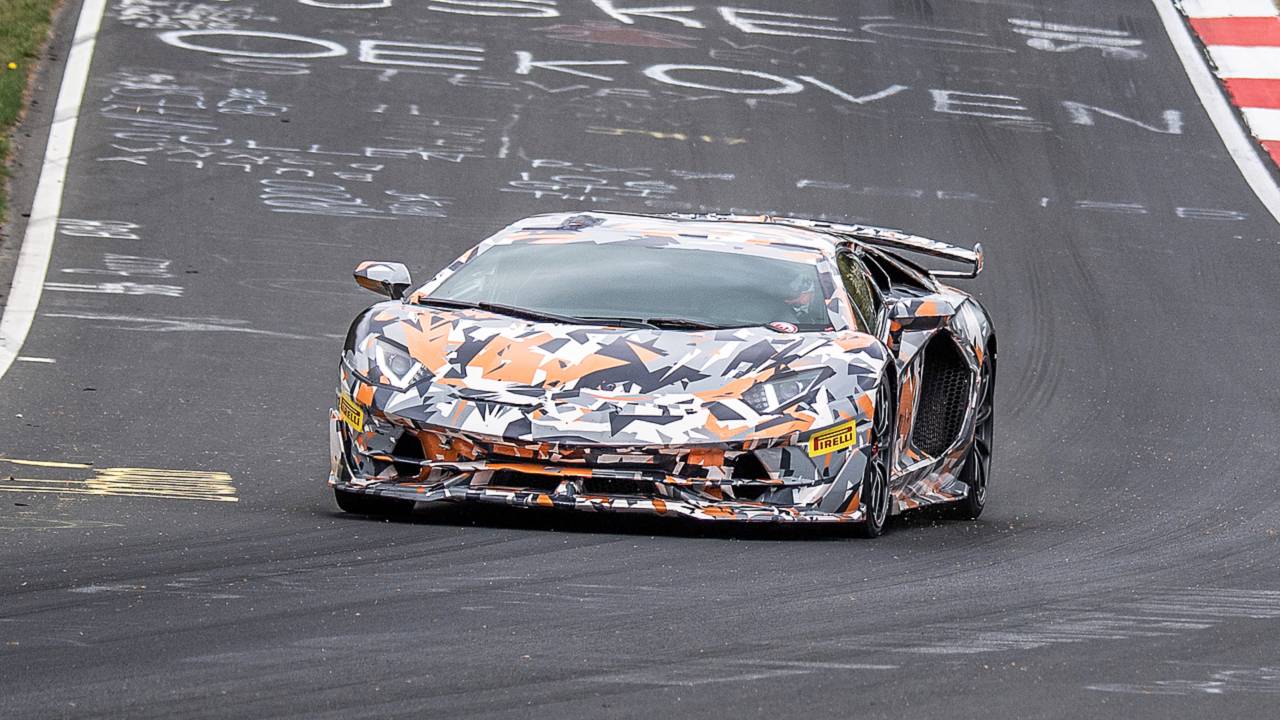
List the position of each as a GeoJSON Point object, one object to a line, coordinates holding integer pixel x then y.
{"type": "Point", "coordinates": [800, 293]}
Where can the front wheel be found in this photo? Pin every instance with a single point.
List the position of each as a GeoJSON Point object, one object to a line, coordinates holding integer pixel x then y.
{"type": "Point", "coordinates": [875, 493]}
{"type": "Point", "coordinates": [363, 504]}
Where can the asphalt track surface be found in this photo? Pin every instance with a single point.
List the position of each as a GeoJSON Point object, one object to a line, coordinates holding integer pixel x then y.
{"type": "Point", "coordinates": [1126, 565]}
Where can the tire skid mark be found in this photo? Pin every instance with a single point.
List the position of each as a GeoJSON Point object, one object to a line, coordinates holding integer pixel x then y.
{"type": "Point", "coordinates": [1151, 614]}
{"type": "Point", "coordinates": [1218, 681]}
{"type": "Point", "coordinates": [178, 324]}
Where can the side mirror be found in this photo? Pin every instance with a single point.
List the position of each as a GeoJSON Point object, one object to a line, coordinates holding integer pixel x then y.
{"type": "Point", "coordinates": [385, 278]}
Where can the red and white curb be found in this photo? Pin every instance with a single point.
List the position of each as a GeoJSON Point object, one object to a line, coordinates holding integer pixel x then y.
{"type": "Point", "coordinates": [1242, 38]}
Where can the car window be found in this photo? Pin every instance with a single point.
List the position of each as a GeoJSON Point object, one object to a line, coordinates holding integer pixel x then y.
{"type": "Point", "coordinates": [878, 273]}
{"type": "Point", "coordinates": [861, 289]}
{"type": "Point", "coordinates": [645, 280]}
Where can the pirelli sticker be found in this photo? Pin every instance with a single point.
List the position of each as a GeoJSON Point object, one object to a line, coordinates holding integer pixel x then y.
{"type": "Point", "coordinates": [840, 437]}
{"type": "Point", "coordinates": [351, 413]}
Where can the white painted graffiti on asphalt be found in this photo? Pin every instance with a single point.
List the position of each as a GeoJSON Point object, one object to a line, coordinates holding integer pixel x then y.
{"type": "Point", "coordinates": [1087, 205]}
{"type": "Point", "coordinates": [179, 14]}
{"type": "Point", "coordinates": [1058, 38]}
{"type": "Point", "coordinates": [712, 81]}
{"type": "Point", "coordinates": [248, 155]}
{"type": "Point", "coordinates": [477, 8]}
{"type": "Point", "coordinates": [310, 197]}
{"type": "Point", "coordinates": [578, 181]}
{"type": "Point", "coordinates": [117, 288]}
{"type": "Point", "coordinates": [1042, 35]}
{"type": "Point", "coordinates": [150, 95]}
{"type": "Point", "coordinates": [115, 229]}
{"type": "Point", "coordinates": [127, 266]}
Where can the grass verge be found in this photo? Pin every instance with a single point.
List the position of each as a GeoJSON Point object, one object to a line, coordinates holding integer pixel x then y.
{"type": "Point", "coordinates": [24, 25]}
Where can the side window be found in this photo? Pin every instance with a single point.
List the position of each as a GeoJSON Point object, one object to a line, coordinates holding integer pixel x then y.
{"type": "Point", "coordinates": [878, 273]}
{"type": "Point", "coordinates": [862, 291]}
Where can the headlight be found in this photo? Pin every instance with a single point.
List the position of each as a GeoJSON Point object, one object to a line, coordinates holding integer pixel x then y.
{"type": "Point", "coordinates": [781, 391]}
{"type": "Point", "coordinates": [396, 365]}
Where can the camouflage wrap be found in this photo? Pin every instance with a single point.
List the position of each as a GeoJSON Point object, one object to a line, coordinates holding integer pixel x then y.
{"type": "Point", "coordinates": [921, 478]}
{"type": "Point", "coordinates": [500, 409]}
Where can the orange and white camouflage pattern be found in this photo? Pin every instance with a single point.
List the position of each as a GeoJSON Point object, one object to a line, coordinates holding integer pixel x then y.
{"type": "Point", "coordinates": [593, 417]}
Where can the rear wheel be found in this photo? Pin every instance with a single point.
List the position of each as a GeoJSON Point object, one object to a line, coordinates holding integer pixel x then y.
{"type": "Point", "coordinates": [977, 465]}
{"type": "Point", "coordinates": [876, 497]}
{"type": "Point", "coordinates": [362, 504]}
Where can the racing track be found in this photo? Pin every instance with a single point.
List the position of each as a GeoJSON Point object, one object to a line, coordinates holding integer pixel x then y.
{"type": "Point", "coordinates": [1126, 566]}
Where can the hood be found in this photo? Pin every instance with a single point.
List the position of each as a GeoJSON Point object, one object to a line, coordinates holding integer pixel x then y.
{"type": "Point", "coordinates": [542, 381]}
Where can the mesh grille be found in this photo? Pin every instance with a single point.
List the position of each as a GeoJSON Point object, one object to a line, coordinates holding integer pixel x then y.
{"type": "Point", "coordinates": [944, 394]}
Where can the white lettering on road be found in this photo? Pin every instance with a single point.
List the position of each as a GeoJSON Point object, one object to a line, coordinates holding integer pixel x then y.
{"type": "Point", "coordinates": [625, 15]}
{"type": "Point", "coordinates": [445, 57]}
{"type": "Point", "coordinates": [778, 85]}
{"type": "Point", "coordinates": [999, 107]}
{"type": "Point", "coordinates": [769, 22]}
{"type": "Point", "coordinates": [1082, 114]}
{"type": "Point", "coordinates": [525, 64]}
{"type": "Point", "coordinates": [179, 38]}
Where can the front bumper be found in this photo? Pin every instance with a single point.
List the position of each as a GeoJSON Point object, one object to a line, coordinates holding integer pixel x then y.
{"type": "Point", "coordinates": [696, 509]}
{"type": "Point", "coordinates": [365, 463]}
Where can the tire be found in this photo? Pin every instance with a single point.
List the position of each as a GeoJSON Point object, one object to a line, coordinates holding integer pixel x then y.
{"type": "Point", "coordinates": [976, 472]}
{"type": "Point", "coordinates": [363, 504]}
{"type": "Point", "coordinates": [876, 477]}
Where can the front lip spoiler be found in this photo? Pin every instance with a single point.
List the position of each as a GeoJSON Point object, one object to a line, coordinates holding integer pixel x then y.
{"type": "Point", "coordinates": [733, 511]}
{"type": "Point", "coordinates": [582, 470]}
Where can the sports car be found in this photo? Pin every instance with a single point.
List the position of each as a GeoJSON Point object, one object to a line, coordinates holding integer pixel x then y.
{"type": "Point", "coordinates": [714, 367]}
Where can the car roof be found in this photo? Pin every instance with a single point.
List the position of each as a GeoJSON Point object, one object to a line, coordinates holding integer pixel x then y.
{"type": "Point", "coordinates": [739, 235]}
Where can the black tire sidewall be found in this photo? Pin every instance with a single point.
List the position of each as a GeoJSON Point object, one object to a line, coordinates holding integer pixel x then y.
{"type": "Point", "coordinates": [868, 528]}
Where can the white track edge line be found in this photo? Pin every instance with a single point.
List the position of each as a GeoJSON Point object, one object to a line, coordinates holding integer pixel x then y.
{"type": "Point", "coordinates": [1242, 147]}
{"type": "Point", "coordinates": [37, 243]}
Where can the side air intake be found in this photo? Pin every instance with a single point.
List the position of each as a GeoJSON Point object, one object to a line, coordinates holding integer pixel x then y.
{"type": "Point", "coordinates": [944, 393]}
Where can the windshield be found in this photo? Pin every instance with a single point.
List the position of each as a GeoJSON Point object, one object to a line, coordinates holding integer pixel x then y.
{"type": "Point", "coordinates": [631, 281]}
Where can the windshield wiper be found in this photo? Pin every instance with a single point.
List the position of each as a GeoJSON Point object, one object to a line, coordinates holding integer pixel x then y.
{"type": "Point", "coordinates": [500, 309]}
{"type": "Point", "coordinates": [682, 324]}
{"type": "Point", "coordinates": [526, 313]}
{"type": "Point", "coordinates": [443, 302]}
{"type": "Point", "coordinates": [657, 323]}
{"type": "Point", "coordinates": [618, 321]}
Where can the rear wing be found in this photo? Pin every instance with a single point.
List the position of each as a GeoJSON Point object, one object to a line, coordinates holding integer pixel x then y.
{"type": "Point", "coordinates": [895, 240]}
{"type": "Point", "coordinates": [869, 234]}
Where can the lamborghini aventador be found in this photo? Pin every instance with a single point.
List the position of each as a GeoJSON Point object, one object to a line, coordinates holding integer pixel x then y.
{"type": "Point", "coordinates": [714, 367]}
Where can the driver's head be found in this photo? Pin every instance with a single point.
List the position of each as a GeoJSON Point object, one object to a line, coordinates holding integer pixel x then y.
{"type": "Point", "coordinates": [800, 292]}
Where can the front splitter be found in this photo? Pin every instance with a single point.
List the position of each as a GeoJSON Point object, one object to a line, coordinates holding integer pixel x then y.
{"type": "Point", "coordinates": [732, 511]}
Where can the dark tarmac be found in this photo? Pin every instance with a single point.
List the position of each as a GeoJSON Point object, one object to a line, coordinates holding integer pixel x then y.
{"type": "Point", "coordinates": [201, 285]}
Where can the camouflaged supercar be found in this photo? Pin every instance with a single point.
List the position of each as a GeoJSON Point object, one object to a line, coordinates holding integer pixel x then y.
{"type": "Point", "coordinates": [706, 366]}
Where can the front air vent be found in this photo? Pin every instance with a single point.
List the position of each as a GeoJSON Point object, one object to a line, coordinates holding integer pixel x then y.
{"type": "Point", "coordinates": [944, 396]}
{"type": "Point", "coordinates": [610, 486]}
{"type": "Point", "coordinates": [748, 467]}
{"type": "Point", "coordinates": [524, 481]}
{"type": "Point", "coordinates": [407, 454]}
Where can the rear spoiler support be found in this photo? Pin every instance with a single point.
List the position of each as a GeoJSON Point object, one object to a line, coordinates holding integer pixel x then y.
{"type": "Point", "coordinates": [896, 240]}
